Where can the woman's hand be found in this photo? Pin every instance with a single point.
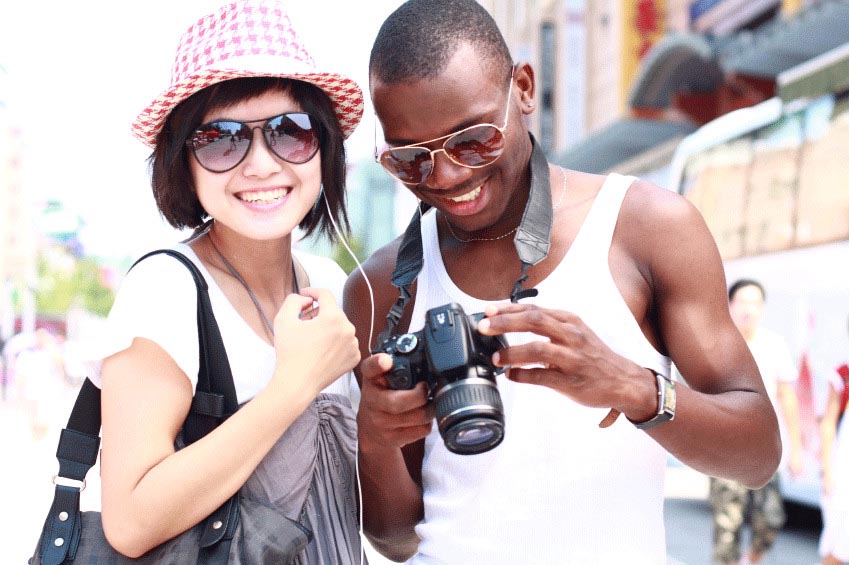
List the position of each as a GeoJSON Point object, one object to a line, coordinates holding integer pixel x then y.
{"type": "Point", "coordinates": [313, 339]}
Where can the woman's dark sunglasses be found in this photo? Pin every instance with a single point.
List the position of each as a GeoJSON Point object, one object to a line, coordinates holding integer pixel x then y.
{"type": "Point", "coordinates": [221, 145]}
{"type": "Point", "coordinates": [474, 147]}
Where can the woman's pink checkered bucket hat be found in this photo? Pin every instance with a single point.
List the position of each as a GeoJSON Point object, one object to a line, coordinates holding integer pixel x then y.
{"type": "Point", "coordinates": [252, 38]}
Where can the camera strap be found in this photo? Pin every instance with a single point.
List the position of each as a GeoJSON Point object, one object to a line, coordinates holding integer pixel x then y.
{"type": "Point", "coordinates": [532, 241]}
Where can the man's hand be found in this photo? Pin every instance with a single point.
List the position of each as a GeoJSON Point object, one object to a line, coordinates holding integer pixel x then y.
{"type": "Point", "coordinates": [574, 362]}
{"type": "Point", "coordinates": [387, 418]}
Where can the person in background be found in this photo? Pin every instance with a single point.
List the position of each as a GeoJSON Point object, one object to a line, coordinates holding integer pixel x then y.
{"type": "Point", "coordinates": [730, 500]}
{"type": "Point", "coordinates": [628, 278]}
{"type": "Point", "coordinates": [291, 444]}
{"type": "Point", "coordinates": [834, 461]}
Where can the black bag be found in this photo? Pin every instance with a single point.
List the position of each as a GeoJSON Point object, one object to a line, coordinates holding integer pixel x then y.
{"type": "Point", "coordinates": [241, 531]}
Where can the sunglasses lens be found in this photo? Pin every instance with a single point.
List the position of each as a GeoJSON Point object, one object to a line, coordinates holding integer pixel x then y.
{"type": "Point", "coordinates": [219, 146]}
{"type": "Point", "coordinates": [292, 137]}
{"type": "Point", "coordinates": [407, 164]}
{"type": "Point", "coordinates": [476, 146]}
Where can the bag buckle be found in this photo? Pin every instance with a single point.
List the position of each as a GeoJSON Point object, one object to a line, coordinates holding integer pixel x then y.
{"type": "Point", "coordinates": [59, 480]}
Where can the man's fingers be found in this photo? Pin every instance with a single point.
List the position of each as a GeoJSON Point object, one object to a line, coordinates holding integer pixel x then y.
{"type": "Point", "coordinates": [530, 319]}
{"type": "Point", "coordinates": [404, 436]}
{"type": "Point", "coordinates": [397, 402]}
{"type": "Point", "coordinates": [415, 417]}
{"type": "Point", "coordinates": [532, 353]}
{"type": "Point", "coordinates": [374, 367]}
{"type": "Point", "coordinates": [534, 376]}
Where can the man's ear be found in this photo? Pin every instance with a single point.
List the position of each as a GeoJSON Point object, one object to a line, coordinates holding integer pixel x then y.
{"type": "Point", "coordinates": [523, 75]}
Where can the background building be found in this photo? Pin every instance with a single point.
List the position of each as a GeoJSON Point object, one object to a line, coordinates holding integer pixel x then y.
{"type": "Point", "coordinates": [621, 82]}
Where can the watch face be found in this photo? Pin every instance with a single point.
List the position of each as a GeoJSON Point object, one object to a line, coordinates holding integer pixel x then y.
{"type": "Point", "coordinates": [669, 398]}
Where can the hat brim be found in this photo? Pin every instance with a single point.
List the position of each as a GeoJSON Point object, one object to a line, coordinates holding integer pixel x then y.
{"type": "Point", "coordinates": [345, 93]}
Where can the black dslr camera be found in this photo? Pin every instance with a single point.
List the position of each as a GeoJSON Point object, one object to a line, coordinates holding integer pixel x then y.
{"type": "Point", "coordinates": [456, 362]}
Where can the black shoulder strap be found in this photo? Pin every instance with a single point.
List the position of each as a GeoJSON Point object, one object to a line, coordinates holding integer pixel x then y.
{"type": "Point", "coordinates": [215, 395]}
{"type": "Point", "coordinates": [408, 265]}
{"type": "Point", "coordinates": [532, 241]}
{"type": "Point", "coordinates": [214, 400]}
{"type": "Point", "coordinates": [533, 238]}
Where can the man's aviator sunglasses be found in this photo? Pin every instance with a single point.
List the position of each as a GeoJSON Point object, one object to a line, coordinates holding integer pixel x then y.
{"type": "Point", "coordinates": [474, 147]}
{"type": "Point", "coordinates": [221, 145]}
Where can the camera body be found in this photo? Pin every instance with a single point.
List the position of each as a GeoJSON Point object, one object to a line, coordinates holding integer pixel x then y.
{"type": "Point", "coordinates": [456, 361]}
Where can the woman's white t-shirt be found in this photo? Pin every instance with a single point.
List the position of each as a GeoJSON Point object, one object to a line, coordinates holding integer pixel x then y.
{"type": "Point", "coordinates": [157, 300]}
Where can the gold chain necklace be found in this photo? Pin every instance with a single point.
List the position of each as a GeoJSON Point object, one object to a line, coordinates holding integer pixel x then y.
{"type": "Point", "coordinates": [511, 232]}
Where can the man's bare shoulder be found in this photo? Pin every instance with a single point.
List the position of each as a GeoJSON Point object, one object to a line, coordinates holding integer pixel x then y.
{"type": "Point", "coordinates": [669, 241]}
{"type": "Point", "coordinates": [378, 266]}
{"type": "Point", "coordinates": [651, 211]}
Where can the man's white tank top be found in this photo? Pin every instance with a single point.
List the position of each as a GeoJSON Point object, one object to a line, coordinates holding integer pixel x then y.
{"type": "Point", "coordinates": [558, 489]}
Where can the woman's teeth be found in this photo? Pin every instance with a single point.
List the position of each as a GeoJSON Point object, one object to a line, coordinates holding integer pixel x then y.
{"type": "Point", "coordinates": [263, 196]}
{"type": "Point", "coordinates": [468, 197]}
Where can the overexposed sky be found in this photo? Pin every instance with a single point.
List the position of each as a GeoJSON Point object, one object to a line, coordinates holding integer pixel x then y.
{"type": "Point", "coordinates": [77, 74]}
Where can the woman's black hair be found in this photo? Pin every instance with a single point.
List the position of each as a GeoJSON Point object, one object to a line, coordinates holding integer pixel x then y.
{"type": "Point", "coordinates": [171, 178]}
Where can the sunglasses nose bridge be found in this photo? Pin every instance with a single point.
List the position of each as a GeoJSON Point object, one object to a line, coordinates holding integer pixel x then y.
{"type": "Point", "coordinates": [253, 132]}
{"type": "Point", "coordinates": [251, 155]}
{"type": "Point", "coordinates": [445, 173]}
{"type": "Point", "coordinates": [431, 160]}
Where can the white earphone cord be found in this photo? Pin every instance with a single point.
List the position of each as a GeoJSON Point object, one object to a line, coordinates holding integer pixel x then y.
{"type": "Point", "coordinates": [370, 334]}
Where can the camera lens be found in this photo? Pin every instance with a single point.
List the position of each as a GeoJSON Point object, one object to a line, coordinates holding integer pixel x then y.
{"type": "Point", "coordinates": [474, 432]}
{"type": "Point", "coordinates": [470, 416]}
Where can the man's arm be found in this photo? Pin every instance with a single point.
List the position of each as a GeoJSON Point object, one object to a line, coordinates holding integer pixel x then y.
{"type": "Point", "coordinates": [726, 425]}
{"type": "Point", "coordinates": [391, 423]}
{"type": "Point", "coordinates": [667, 267]}
{"type": "Point", "coordinates": [789, 403]}
{"type": "Point", "coordinates": [828, 430]}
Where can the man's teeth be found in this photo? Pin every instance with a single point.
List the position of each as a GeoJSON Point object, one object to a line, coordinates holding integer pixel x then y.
{"type": "Point", "coordinates": [468, 197]}
{"type": "Point", "coordinates": [263, 195]}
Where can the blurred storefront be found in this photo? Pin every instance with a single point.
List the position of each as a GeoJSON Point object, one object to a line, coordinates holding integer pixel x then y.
{"type": "Point", "coordinates": [621, 82]}
{"type": "Point", "coordinates": [586, 54]}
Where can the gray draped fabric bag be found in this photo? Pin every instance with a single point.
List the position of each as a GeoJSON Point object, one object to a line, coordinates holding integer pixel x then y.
{"type": "Point", "coordinates": [242, 531]}
{"type": "Point", "coordinates": [262, 535]}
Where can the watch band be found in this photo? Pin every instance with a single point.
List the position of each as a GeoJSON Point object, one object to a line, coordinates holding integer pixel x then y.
{"type": "Point", "coordinates": [665, 403]}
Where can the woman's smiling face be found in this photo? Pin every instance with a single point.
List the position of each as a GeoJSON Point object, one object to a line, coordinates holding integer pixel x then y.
{"type": "Point", "coordinates": [263, 197]}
